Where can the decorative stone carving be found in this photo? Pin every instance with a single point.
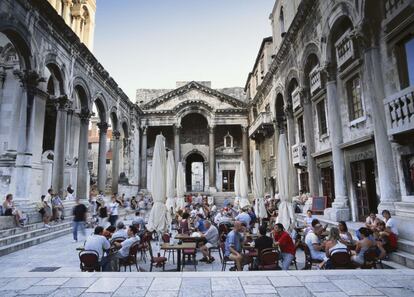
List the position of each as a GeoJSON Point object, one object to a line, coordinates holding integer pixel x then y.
{"type": "Point", "coordinates": [116, 135]}
{"type": "Point", "coordinates": [103, 127]}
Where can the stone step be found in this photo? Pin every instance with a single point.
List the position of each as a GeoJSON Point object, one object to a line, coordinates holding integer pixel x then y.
{"type": "Point", "coordinates": [4, 250]}
{"type": "Point", "coordinates": [392, 265]}
{"type": "Point", "coordinates": [33, 233]}
{"type": "Point", "coordinates": [405, 209]}
{"type": "Point", "coordinates": [406, 246]}
{"type": "Point", "coordinates": [402, 258]}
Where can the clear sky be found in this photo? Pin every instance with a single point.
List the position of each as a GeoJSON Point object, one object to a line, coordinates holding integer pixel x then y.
{"type": "Point", "coordinates": [154, 43]}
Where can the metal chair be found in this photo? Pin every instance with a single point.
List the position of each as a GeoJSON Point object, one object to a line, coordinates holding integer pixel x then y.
{"type": "Point", "coordinates": [166, 239]}
{"type": "Point", "coordinates": [89, 261]}
{"type": "Point", "coordinates": [131, 259]}
{"type": "Point", "coordinates": [156, 261]}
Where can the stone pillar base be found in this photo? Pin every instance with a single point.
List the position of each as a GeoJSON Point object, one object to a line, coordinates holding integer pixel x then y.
{"type": "Point", "coordinates": [212, 189]}
{"type": "Point", "coordinates": [337, 214]}
{"type": "Point", "coordinates": [388, 205]}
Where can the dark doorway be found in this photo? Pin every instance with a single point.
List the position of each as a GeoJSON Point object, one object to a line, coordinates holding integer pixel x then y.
{"type": "Point", "coordinates": [194, 173]}
{"type": "Point", "coordinates": [328, 189]}
{"type": "Point", "coordinates": [49, 129]}
{"type": "Point", "coordinates": [228, 180]}
{"type": "Point", "coordinates": [363, 182]}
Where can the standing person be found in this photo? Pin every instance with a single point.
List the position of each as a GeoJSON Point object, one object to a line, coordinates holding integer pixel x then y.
{"type": "Point", "coordinates": [44, 210]}
{"type": "Point", "coordinates": [79, 219]}
{"type": "Point", "coordinates": [286, 245]}
{"type": "Point", "coordinates": [102, 210]}
{"type": "Point", "coordinates": [70, 192]}
{"type": "Point", "coordinates": [113, 210]}
{"type": "Point", "coordinates": [57, 208]}
{"type": "Point", "coordinates": [233, 246]}
{"type": "Point", "coordinates": [48, 197]}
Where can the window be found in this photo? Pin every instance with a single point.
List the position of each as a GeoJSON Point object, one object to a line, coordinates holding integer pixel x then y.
{"type": "Point", "coordinates": [320, 109]}
{"type": "Point", "coordinates": [89, 145]}
{"type": "Point", "coordinates": [108, 161]}
{"type": "Point", "coordinates": [406, 63]}
{"type": "Point", "coordinates": [228, 140]}
{"type": "Point", "coordinates": [301, 129]}
{"type": "Point", "coordinates": [355, 108]}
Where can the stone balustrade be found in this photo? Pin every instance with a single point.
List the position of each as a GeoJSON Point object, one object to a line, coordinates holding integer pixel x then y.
{"type": "Point", "coordinates": [344, 49]}
{"type": "Point", "coordinates": [262, 123]}
{"type": "Point", "coordinates": [296, 103]}
{"type": "Point", "coordinates": [399, 110]}
{"type": "Point", "coordinates": [315, 80]}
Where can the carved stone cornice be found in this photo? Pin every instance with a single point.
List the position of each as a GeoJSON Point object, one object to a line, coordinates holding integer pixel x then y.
{"type": "Point", "coordinates": [116, 134]}
{"type": "Point", "coordinates": [103, 127]}
{"type": "Point", "coordinates": [62, 102]}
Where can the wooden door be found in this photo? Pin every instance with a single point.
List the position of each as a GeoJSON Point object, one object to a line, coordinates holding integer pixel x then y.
{"type": "Point", "coordinates": [228, 180]}
{"type": "Point", "coordinates": [328, 188]}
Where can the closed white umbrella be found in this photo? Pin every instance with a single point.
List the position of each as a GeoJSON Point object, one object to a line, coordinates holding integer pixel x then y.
{"type": "Point", "coordinates": [158, 216]}
{"type": "Point", "coordinates": [180, 203]}
{"type": "Point", "coordinates": [244, 186]}
{"type": "Point", "coordinates": [285, 215]}
{"type": "Point", "coordinates": [237, 187]}
{"type": "Point", "coordinates": [170, 182]}
{"type": "Point", "coordinates": [258, 186]}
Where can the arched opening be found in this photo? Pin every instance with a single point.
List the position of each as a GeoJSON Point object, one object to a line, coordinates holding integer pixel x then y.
{"type": "Point", "coordinates": [194, 172]}
{"type": "Point", "coordinates": [341, 45]}
{"type": "Point", "coordinates": [194, 127]}
{"type": "Point", "coordinates": [282, 23]}
{"type": "Point", "coordinates": [280, 114]}
{"type": "Point", "coordinates": [125, 151]}
{"type": "Point", "coordinates": [311, 64]}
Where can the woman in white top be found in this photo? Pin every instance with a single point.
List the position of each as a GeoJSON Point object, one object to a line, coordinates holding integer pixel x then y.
{"type": "Point", "coordinates": [332, 246]}
{"type": "Point", "coordinates": [345, 236]}
{"type": "Point", "coordinates": [113, 210]}
{"type": "Point", "coordinates": [390, 223]}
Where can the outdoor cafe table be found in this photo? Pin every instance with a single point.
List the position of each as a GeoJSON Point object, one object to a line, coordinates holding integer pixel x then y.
{"type": "Point", "coordinates": [178, 248]}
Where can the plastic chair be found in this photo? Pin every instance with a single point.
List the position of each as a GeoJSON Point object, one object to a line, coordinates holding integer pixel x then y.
{"type": "Point", "coordinates": [89, 261]}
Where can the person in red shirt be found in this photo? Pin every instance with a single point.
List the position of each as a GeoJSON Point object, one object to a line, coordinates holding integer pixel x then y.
{"type": "Point", "coordinates": [286, 245]}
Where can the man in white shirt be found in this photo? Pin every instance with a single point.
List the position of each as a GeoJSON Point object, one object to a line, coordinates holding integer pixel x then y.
{"type": "Point", "coordinates": [120, 231]}
{"type": "Point", "coordinates": [212, 238]}
{"type": "Point", "coordinates": [98, 243]}
{"type": "Point", "coordinates": [390, 223]}
{"type": "Point", "coordinates": [314, 243]}
{"type": "Point", "coordinates": [126, 244]}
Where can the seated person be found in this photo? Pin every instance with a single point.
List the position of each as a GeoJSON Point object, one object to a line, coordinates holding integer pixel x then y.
{"type": "Point", "coordinates": [390, 223]}
{"type": "Point", "coordinates": [57, 208]}
{"type": "Point", "coordinates": [199, 223]}
{"type": "Point", "coordinates": [309, 218]}
{"type": "Point", "coordinates": [184, 226]}
{"type": "Point", "coordinates": [371, 221]}
{"type": "Point", "coordinates": [139, 221]}
{"type": "Point", "coordinates": [244, 218]}
{"type": "Point", "coordinates": [314, 244]}
{"type": "Point", "coordinates": [9, 209]}
{"type": "Point", "coordinates": [109, 231]}
{"type": "Point", "coordinates": [286, 245]}
{"type": "Point", "coordinates": [362, 245]}
{"type": "Point", "coordinates": [126, 244]}
{"type": "Point", "coordinates": [120, 231]}
{"type": "Point", "coordinates": [345, 236]}
{"type": "Point", "coordinates": [134, 203]}
{"type": "Point", "coordinates": [98, 243]}
{"type": "Point", "coordinates": [332, 246]}
{"type": "Point", "coordinates": [263, 241]}
{"type": "Point", "coordinates": [233, 246]}
{"type": "Point", "coordinates": [211, 235]}
{"type": "Point", "coordinates": [387, 239]}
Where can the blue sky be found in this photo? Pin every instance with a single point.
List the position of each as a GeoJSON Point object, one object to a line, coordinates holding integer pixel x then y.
{"type": "Point", "coordinates": [154, 43]}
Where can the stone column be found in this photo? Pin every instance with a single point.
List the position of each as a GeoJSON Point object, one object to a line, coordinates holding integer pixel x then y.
{"type": "Point", "coordinates": [115, 160]}
{"type": "Point", "coordinates": [83, 176]}
{"type": "Point", "coordinates": [144, 157]}
{"type": "Point", "coordinates": [310, 143]}
{"type": "Point", "coordinates": [387, 179]}
{"type": "Point", "coordinates": [62, 105]}
{"type": "Point", "coordinates": [212, 159]}
{"type": "Point", "coordinates": [245, 149]}
{"type": "Point", "coordinates": [66, 11]}
{"type": "Point", "coordinates": [291, 141]}
{"type": "Point", "coordinates": [177, 151]}
{"type": "Point", "coordinates": [103, 128]}
{"type": "Point", "coordinates": [340, 207]}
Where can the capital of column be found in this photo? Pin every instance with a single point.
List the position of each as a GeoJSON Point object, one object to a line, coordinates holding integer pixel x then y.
{"type": "Point", "coordinates": [211, 129]}
{"type": "Point", "coordinates": [116, 135]}
{"type": "Point", "coordinates": [245, 129]}
{"type": "Point", "coordinates": [329, 70]}
{"type": "Point", "coordinates": [103, 127]}
{"type": "Point", "coordinates": [144, 130]}
{"type": "Point", "coordinates": [177, 128]}
{"type": "Point", "coordinates": [85, 115]}
{"type": "Point", "coordinates": [62, 102]}
{"type": "Point", "coordinates": [288, 110]}
{"type": "Point", "coordinates": [29, 80]}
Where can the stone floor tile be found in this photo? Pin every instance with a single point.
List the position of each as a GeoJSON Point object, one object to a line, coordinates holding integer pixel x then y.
{"type": "Point", "coordinates": [196, 284]}
{"type": "Point", "coordinates": [194, 293]}
{"type": "Point", "coordinates": [8, 293]}
{"type": "Point", "coordinates": [105, 285]}
{"type": "Point", "coordinates": [225, 284]}
{"type": "Point", "coordinates": [96, 295]}
{"type": "Point", "coordinates": [293, 292]}
{"type": "Point", "coordinates": [162, 294]}
{"type": "Point", "coordinates": [330, 294]}
{"type": "Point", "coordinates": [285, 281]}
{"type": "Point", "coordinates": [5, 281]}
{"type": "Point", "coordinates": [67, 292]}
{"type": "Point", "coordinates": [130, 291]}
{"type": "Point", "coordinates": [256, 289]}
{"type": "Point", "coordinates": [39, 290]}
{"type": "Point", "coordinates": [79, 282]}
{"type": "Point", "coordinates": [313, 279]}
{"type": "Point", "coordinates": [53, 281]}
{"type": "Point", "coordinates": [137, 282]}
{"type": "Point", "coordinates": [322, 287]}
{"type": "Point", "coordinates": [407, 283]}
{"type": "Point", "coordinates": [228, 294]}
{"type": "Point", "coordinates": [340, 276]}
{"type": "Point", "coordinates": [166, 284]}
{"type": "Point", "coordinates": [20, 284]}
{"type": "Point", "coordinates": [262, 295]}
{"type": "Point", "coordinates": [355, 287]}
{"type": "Point", "coordinates": [396, 292]}
{"type": "Point", "coordinates": [255, 280]}
{"type": "Point", "coordinates": [379, 281]}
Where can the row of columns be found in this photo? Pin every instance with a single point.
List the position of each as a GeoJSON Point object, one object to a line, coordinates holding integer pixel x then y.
{"type": "Point", "coordinates": [177, 152]}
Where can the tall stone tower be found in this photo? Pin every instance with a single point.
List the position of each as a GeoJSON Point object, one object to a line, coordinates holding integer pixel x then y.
{"type": "Point", "coordinates": [80, 16]}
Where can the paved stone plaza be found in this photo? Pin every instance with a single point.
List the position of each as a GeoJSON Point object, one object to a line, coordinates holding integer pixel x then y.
{"type": "Point", "coordinates": [202, 284]}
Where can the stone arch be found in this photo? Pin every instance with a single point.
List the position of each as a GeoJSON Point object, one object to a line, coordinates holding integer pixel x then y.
{"type": "Point", "coordinates": [113, 115]}
{"type": "Point", "coordinates": [80, 85]}
{"type": "Point", "coordinates": [194, 109]}
{"type": "Point", "coordinates": [101, 106]}
{"type": "Point", "coordinates": [195, 151]}
{"type": "Point", "coordinates": [310, 54]}
{"type": "Point", "coordinates": [292, 82]}
{"type": "Point", "coordinates": [55, 82]}
{"type": "Point", "coordinates": [20, 37]}
{"type": "Point", "coordinates": [125, 127]}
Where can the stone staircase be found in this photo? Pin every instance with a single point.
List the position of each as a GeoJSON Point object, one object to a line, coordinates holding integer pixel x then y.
{"type": "Point", "coordinates": [220, 196]}
{"type": "Point", "coordinates": [405, 253]}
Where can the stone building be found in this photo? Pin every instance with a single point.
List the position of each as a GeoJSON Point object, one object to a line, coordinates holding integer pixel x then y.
{"type": "Point", "coordinates": [207, 129]}
{"type": "Point", "coordinates": [50, 86]}
{"type": "Point", "coordinates": [337, 77]}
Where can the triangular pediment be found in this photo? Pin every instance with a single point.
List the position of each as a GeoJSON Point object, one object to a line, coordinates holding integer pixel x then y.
{"type": "Point", "coordinates": [194, 93]}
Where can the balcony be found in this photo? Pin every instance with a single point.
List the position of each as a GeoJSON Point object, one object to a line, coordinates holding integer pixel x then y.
{"type": "Point", "coordinates": [315, 80]}
{"type": "Point", "coordinates": [299, 154]}
{"type": "Point", "coordinates": [344, 49]}
{"type": "Point", "coordinates": [399, 110]}
{"type": "Point", "coordinates": [263, 124]}
{"type": "Point", "coordinates": [394, 7]}
{"type": "Point", "coordinates": [296, 104]}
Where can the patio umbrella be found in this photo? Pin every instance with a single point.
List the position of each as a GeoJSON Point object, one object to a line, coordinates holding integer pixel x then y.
{"type": "Point", "coordinates": [244, 186]}
{"type": "Point", "coordinates": [180, 203]}
{"type": "Point", "coordinates": [258, 186]}
{"type": "Point", "coordinates": [286, 215]}
{"type": "Point", "coordinates": [158, 216]}
{"type": "Point", "coordinates": [170, 182]}
{"type": "Point", "coordinates": [237, 187]}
